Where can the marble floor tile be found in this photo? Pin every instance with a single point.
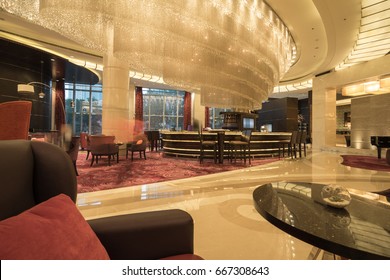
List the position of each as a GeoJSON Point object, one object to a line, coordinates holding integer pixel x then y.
{"type": "Point", "coordinates": [226, 224]}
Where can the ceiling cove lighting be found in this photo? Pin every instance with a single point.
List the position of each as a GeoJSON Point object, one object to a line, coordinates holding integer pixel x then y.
{"type": "Point", "coordinates": [293, 87]}
{"type": "Point", "coordinates": [233, 51]}
{"type": "Point", "coordinates": [373, 87]}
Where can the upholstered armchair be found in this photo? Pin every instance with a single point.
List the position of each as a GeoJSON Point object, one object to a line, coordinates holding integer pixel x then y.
{"type": "Point", "coordinates": [15, 120]}
{"type": "Point", "coordinates": [39, 218]}
{"type": "Point", "coordinates": [102, 145]}
{"type": "Point", "coordinates": [139, 144]}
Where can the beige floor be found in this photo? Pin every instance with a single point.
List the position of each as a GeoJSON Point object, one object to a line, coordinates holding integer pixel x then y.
{"type": "Point", "coordinates": [226, 224]}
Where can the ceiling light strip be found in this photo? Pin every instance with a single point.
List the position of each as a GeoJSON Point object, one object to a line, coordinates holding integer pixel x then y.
{"type": "Point", "coordinates": [374, 34]}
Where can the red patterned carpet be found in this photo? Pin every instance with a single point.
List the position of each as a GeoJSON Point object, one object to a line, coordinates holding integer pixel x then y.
{"type": "Point", "coordinates": [156, 168]}
{"type": "Point", "coordinates": [366, 162]}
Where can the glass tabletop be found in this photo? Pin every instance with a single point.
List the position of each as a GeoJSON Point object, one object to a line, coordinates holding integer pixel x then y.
{"type": "Point", "coordinates": [360, 230]}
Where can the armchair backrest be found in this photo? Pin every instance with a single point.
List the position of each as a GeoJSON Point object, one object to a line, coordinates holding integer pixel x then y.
{"type": "Point", "coordinates": [32, 172]}
{"type": "Point", "coordinates": [96, 140]}
{"type": "Point", "coordinates": [15, 120]}
{"type": "Point", "coordinates": [104, 149]}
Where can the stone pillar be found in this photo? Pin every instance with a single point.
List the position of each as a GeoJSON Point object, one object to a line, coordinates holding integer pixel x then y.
{"type": "Point", "coordinates": [118, 101]}
{"type": "Point", "coordinates": [323, 115]}
{"type": "Point", "coordinates": [197, 112]}
{"type": "Point", "coordinates": [324, 97]}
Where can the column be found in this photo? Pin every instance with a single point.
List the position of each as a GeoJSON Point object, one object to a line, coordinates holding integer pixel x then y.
{"type": "Point", "coordinates": [323, 115]}
{"type": "Point", "coordinates": [118, 99]}
{"type": "Point", "coordinates": [197, 111]}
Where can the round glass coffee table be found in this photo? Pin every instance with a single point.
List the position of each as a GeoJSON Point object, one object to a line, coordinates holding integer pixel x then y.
{"type": "Point", "coordinates": [360, 230]}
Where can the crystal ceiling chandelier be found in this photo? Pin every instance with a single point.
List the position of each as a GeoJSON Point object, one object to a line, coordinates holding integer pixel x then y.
{"type": "Point", "coordinates": [233, 51]}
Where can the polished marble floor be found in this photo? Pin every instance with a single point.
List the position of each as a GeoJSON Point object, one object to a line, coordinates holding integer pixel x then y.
{"type": "Point", "coordinates": [226, 224]}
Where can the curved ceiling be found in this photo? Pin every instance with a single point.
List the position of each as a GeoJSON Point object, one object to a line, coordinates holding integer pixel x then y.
{"type": "Point", "coordinates": [325, 32]}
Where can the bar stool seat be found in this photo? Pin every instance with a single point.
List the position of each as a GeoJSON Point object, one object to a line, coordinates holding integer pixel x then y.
{"type": "Point", "coordinates": [240, 148]}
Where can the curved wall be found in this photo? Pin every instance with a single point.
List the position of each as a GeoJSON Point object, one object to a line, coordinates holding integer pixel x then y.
{"type": "Point", "coordinates": [20, 64]}
{"type": "Point", "coordinates": [23, 64]}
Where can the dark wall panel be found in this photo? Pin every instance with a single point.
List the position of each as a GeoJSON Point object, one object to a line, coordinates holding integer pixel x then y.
{"type": "Point", "coordinates": [281, 113]}
{"type": "Point", "coordinates": [23, 64]}
{"type": "Point", "coordinates": [12, 75]}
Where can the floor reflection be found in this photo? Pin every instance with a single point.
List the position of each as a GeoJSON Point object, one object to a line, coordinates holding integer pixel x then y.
{"type": "Point", "coordinates": [226, 224]}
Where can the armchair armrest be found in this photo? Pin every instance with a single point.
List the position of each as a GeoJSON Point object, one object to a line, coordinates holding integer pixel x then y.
{"type": "Point", "coordinates": [148, 235]}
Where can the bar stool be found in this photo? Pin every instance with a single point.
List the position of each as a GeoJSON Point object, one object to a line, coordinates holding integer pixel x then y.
{"type": "Point", "coordinates": [302, 143]}
{"type": "Point", "coordinates": [291, 145]}
{"type": "Point", "coordinates": [207, 144]}
{"type": "Point", "coordinates": [241, 148]}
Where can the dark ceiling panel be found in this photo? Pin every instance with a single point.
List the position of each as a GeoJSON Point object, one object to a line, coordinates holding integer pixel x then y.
{"type": "Point", "coordinates": [52, 66]}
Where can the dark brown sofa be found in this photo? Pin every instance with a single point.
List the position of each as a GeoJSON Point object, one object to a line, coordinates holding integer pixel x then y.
{"type": "Point", "coordinates": [33, 172]}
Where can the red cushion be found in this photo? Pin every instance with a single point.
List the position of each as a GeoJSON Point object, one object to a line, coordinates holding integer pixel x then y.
{"type": "Point", "coordinates": [54, 229]}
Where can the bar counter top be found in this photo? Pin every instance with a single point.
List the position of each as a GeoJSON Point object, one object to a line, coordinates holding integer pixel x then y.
{"type": "Point", "coordinates": [186, 143]}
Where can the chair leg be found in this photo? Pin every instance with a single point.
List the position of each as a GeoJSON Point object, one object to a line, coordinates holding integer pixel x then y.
{"type": "Point", "coordinates": [144, 154]}
{"type": "Point", "coordinates": [93, 158]}
{"type": "Point", "coordinates": [75, 168]}
{"type": "Point", "coordinates": [300, 149]}
{"type": "Point", "coordinates": [87, 154]}
{"type": "Point", "coordinates": [249, 155]}
{"type": "Point", "coordinates": [279, 150]}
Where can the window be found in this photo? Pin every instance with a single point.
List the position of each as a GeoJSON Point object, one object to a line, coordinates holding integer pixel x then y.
{"type": "Point", "coordinates": [163, 109]}
{"type": "Point", "coordinates": [83, 106]}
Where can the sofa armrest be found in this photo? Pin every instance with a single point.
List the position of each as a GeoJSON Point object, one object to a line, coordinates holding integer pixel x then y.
{"type": "Point", "coordinates": [148, 235]}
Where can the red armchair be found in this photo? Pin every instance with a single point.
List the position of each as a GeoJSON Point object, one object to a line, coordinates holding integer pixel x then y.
{"type": "Point", "coordinates": [15, 120]}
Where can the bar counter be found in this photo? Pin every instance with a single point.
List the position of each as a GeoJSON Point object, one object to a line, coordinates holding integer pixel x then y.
{"type": "Point", "coordinates": [186, 143]}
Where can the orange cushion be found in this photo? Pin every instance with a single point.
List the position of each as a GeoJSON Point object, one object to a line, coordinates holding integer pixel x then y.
{"type": "Point", "coordinates": [139, 142]}
{"type": "Point", "coordinates": [51, 230]}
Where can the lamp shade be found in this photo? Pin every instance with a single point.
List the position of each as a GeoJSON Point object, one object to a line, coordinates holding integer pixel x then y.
{"type": "Point", "coordinates": [23, 88]}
